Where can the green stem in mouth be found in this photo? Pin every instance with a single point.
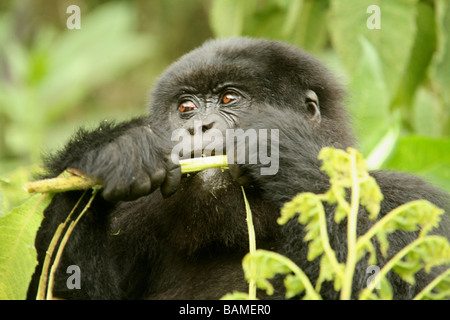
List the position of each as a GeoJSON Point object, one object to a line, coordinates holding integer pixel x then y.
{"type": "Point", "coordinates": [198, 164]}
{"type": "Point", "coordinates": [72, 179]}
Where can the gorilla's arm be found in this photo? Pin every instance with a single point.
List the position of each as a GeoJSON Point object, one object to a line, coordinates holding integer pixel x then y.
{"type": "Point", "coordinates": [129, 159]}
{"type": "Point", "coordinates": [84, 143]}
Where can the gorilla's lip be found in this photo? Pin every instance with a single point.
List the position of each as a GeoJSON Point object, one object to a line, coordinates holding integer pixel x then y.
{"type": "Point", "coordinates": [214, 176]}
{"type": "Point", "coordinates": [203, 154]}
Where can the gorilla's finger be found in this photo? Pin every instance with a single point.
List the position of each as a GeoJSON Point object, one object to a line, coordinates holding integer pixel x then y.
{"type": "Point", "coordinates": [157, 178]}
{"type": "Point", "coordinates": [140, 187]}
{"type": "Point", "coordinates": [114, 193]}
{"type": "Point", "coordinates": [173, 178]}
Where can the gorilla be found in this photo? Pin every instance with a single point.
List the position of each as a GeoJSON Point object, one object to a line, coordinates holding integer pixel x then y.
{"type": "Point", "coordinates": [155, 233]}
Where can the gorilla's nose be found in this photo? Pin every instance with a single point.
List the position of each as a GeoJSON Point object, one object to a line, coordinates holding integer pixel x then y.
{"type": "Point", "coordinates": [205, 125]}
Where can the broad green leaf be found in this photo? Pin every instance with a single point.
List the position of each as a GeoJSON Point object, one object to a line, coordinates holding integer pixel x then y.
{"type": "Point", "coordinates": [385, 146]}
{"type": "Point", "coordinates": [429, 114]}
{"type": "Point", "coordinates": [227, 17]}
{"type": "Point", "coordinates": [17, 253]}
{"type": "Point", "coordinates": [426, 156]}
{"type": "Point", "coordinates": [439, 71]}
{"type": "Point", "coordinates": [370, 107]}
{"type": "Point", "coordinates": [11, 186]}
{"type": "Point", "coordinates": [3, 203]}
{"type": "Point", "coordinates": [310, 30]}
{"type": "Point", "coordinates": [285, 20]}
{"type": "Point", "coordinates": [393, 41]}
{"type": "Point", "coordinates": [421, 55]}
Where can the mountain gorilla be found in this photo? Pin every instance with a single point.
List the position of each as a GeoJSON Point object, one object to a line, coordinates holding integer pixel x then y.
{"type": "Point", "coordinates": [187, 239]}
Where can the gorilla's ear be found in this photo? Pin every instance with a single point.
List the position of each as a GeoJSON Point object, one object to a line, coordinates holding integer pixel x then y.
{"type": "Point", "coordinates": [312, 106]}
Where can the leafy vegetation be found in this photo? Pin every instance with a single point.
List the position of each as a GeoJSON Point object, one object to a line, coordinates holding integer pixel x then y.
{"type": "Point", "coordinates": [53, 79]}
{"type": "Point", "coordinates": [397, 75]}
{"type": "Point", "coordinates": [17, 253]}
{"type": "Point", "coordinates": [347, 171]}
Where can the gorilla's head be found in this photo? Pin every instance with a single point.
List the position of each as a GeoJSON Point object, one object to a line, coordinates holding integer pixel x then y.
{"type": "Point", "coordinates": [238, 82]}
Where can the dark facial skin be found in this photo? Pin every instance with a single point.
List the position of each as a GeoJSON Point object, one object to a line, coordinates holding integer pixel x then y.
{"type": "Point", "coordinates": [201, 114]}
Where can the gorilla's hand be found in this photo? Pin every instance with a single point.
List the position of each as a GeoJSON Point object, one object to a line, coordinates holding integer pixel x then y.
{"type": "Point", "coordinates": [133, 165]}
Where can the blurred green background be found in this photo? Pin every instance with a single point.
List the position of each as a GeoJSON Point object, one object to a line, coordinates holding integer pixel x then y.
{"type": "Point", "coordinates": [53, 79]}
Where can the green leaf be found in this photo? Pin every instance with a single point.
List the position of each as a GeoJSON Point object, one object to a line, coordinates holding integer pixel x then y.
{"type": "Point", "coordinates": [430, 252]}
{"type": "Point", "coordinates": [385, 291]}
{"type": "Point", "coordinates": [426, 156]}
{"type": "Point", "coordinates": [429, 114]}
{"type": "Point", "coordinates": [328, 273]}
{"type": "Point", "coordinates": [393, 42]}
{"type": "Point", "coordinates": [294, 286]}
{"type": "Point", "coordinates": [17, 253]}
{"type": "Point", "coordinates": [227, 17]}
{"type": "Point", "coordinates": [441, 60]}
{"type": "Point", "coordinates": [3, 203]}
{"type": "Point", "coordinates": [385, 146]}
{"type": "Point", "coordinates": [236, 295]}
{"type": "Point", "coordinates": [261, 266]}
{"type": "Point", "coordinates": [407, 217]}
{"type": "Point", "coordinates": [310, 209]}
{"type": "Point", "coordinates": [310, 28]}
{"type": "Point", "coordinates": [420, 57]}
{"type": "Point", "coordinates": [370, 107]}
{"type": "Point", "coordinates": [425, 252]}
{"type": "Point", "coordinates": [438, 289]}
{"type": "Point", "coordinates": [370, 196]}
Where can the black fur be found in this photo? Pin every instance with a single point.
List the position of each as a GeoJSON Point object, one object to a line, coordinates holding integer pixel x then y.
{"type": "Point", "coordinates": [187, 241]}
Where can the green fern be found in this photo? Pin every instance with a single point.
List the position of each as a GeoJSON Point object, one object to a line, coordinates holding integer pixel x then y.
{"type": "Point", "coordinates": [348, 172]}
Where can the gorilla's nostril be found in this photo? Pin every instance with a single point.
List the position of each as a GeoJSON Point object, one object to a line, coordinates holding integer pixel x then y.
{"type": "Point", "coordinates": [208, 126]}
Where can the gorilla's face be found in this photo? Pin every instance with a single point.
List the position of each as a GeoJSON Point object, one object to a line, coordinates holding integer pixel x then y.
{"type": "Point", "coordinates": [219, 86]}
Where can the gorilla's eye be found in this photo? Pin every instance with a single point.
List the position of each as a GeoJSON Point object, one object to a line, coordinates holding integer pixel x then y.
{"type": "Point", "coordinates": [187, 106]}
{"type": "Point", "coordinates": [229, 97]}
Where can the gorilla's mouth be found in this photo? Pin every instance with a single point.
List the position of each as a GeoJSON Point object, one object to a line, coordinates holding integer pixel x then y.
{"type": "Point", "coordinates": [202, 154]}
{"type": "Point", "coordinates": [208, 179]}
{"type": "Point", "coordinates": [199, 146]}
